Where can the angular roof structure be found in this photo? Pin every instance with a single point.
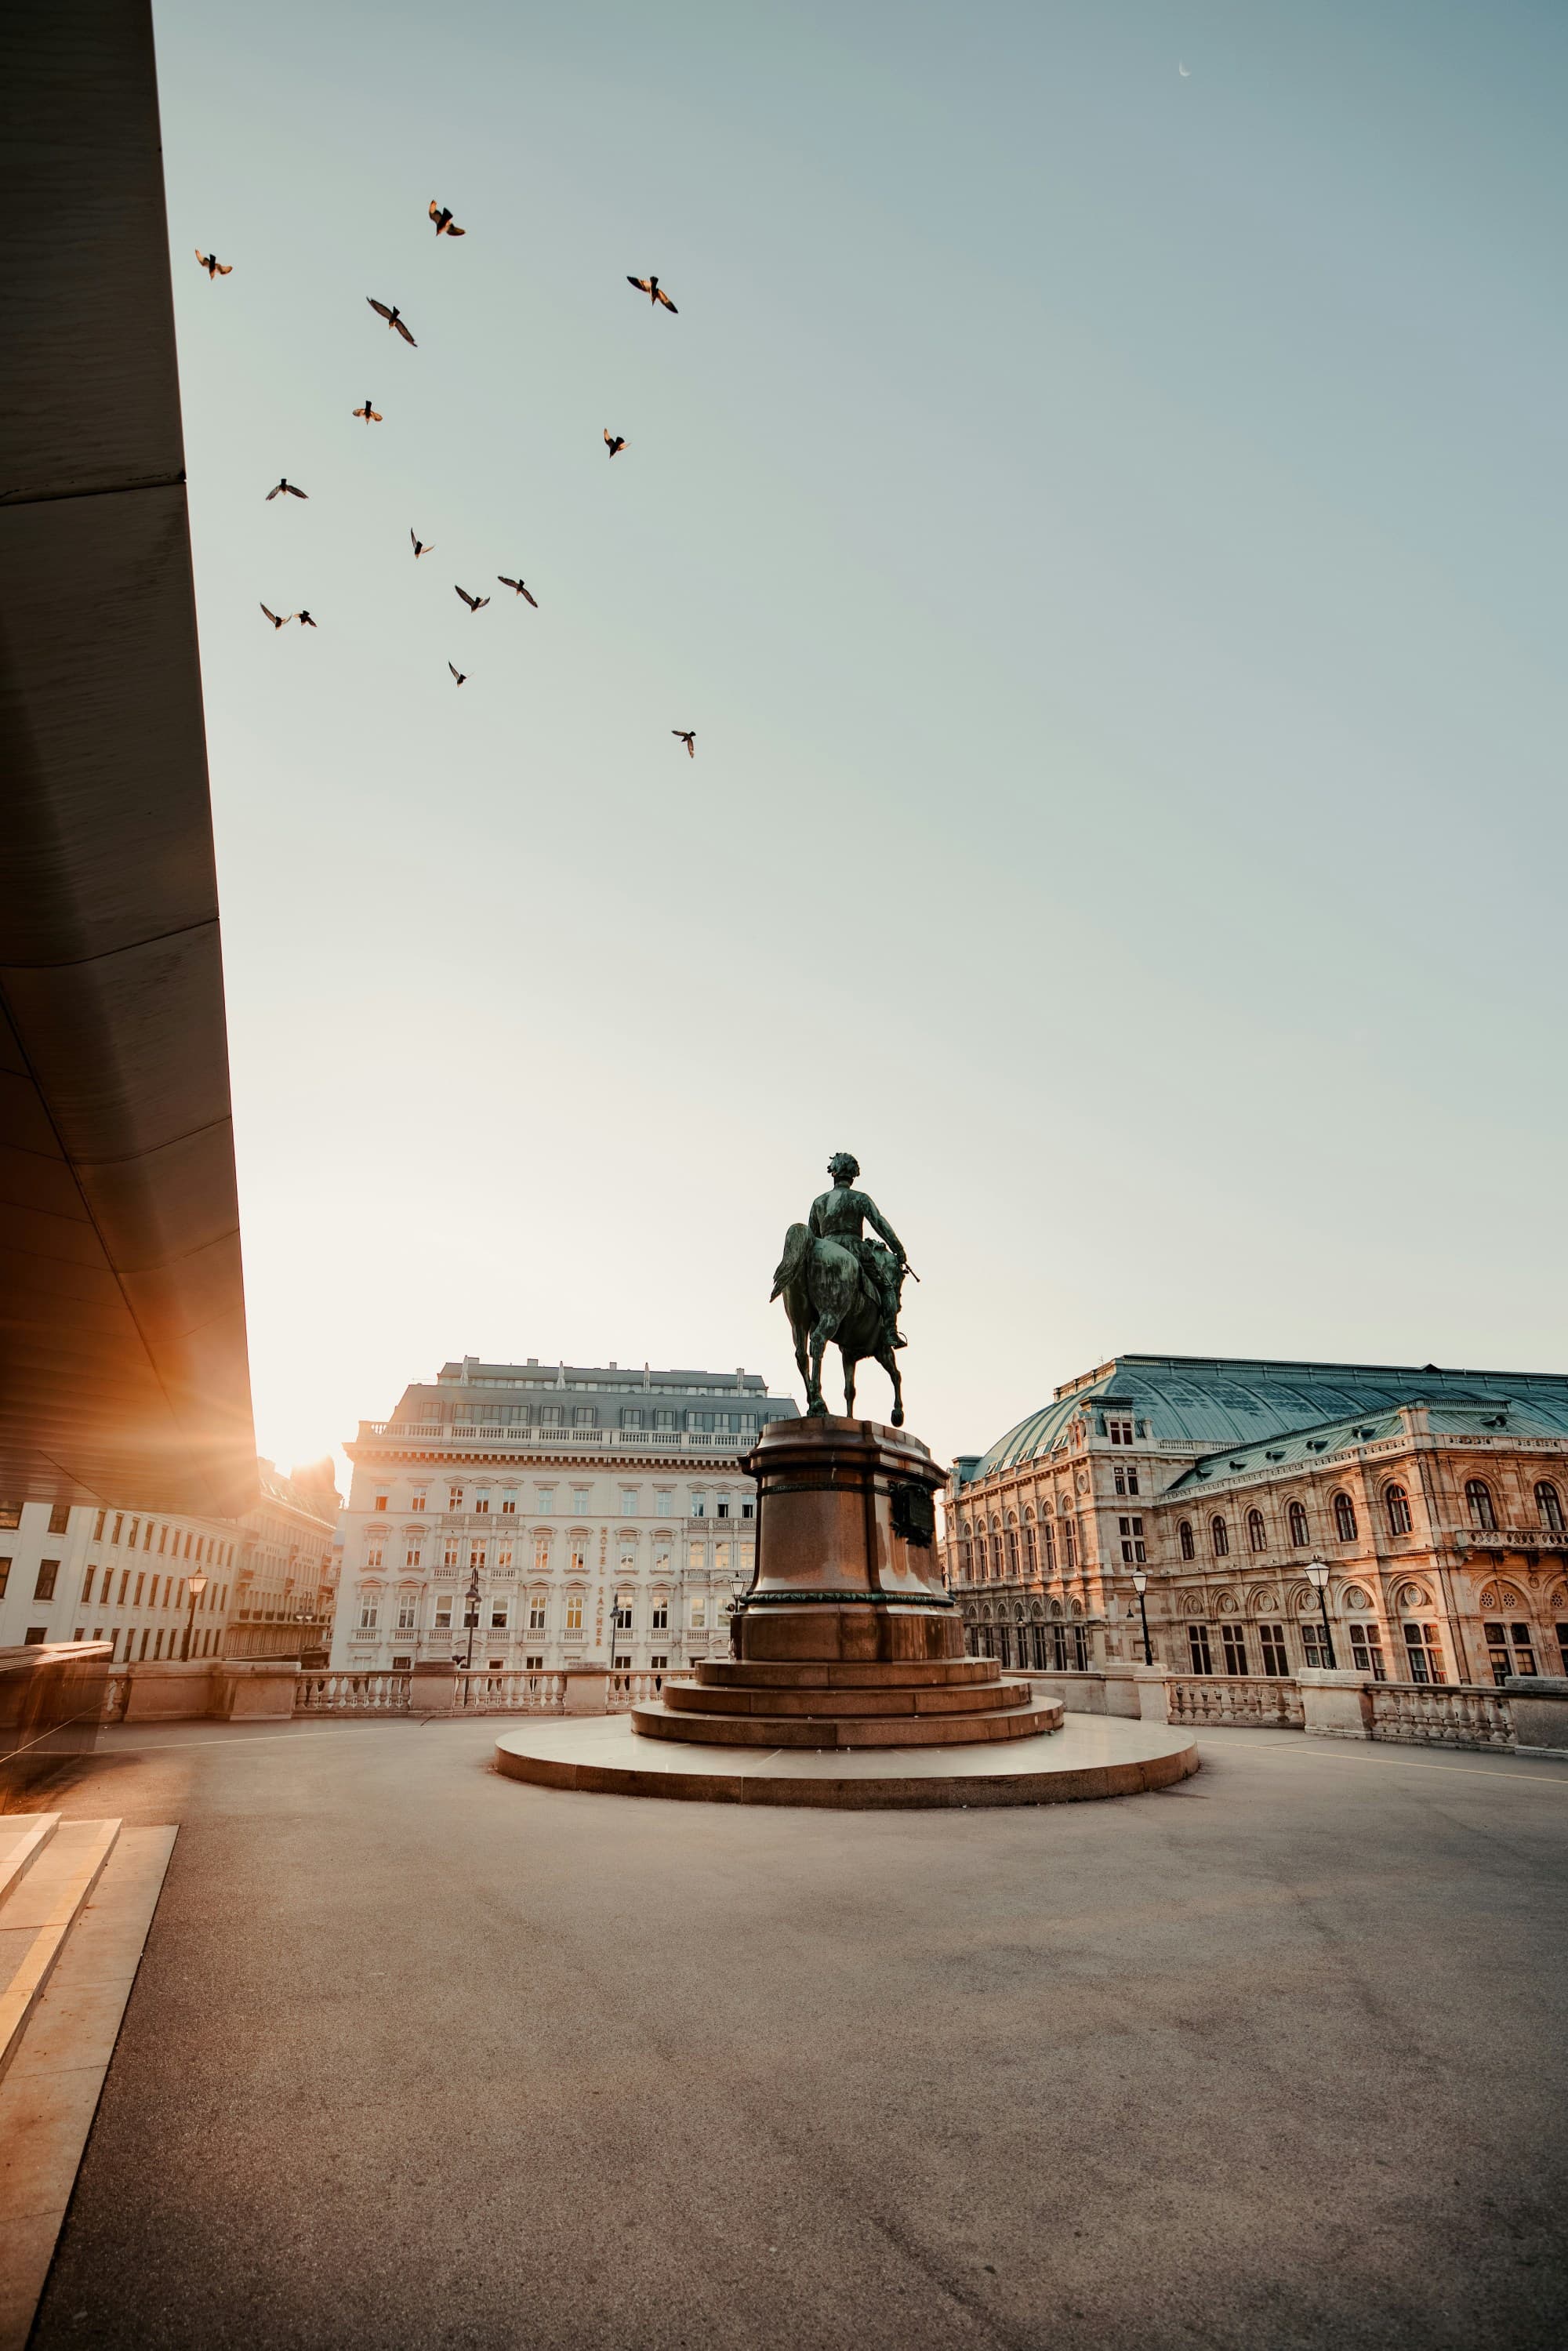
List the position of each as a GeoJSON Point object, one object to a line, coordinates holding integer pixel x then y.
{"type": "Point", "coordinates": [123, 1368]}
{"type": "Point", "coordinates": [1216, 1402]}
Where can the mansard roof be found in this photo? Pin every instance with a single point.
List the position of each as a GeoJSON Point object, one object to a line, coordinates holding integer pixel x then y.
{"type": "Point", "coordinates": [1301, 1447]}
{"type": "Point", "coordinates": [1212, 1402]}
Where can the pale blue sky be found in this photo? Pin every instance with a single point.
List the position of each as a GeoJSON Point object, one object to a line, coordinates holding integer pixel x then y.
{"type": "Point", "coordinates": [1106, 530]}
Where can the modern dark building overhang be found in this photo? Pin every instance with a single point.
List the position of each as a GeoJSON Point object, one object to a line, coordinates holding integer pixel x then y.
{"type": "Point", "coordinates": [123, 1370]}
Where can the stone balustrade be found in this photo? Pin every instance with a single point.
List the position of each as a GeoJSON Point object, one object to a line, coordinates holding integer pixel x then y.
{"type": "Point", "coordinates": [1447, 1714]}
{"type": "Point", "coordinates": [1253, 1702]}
{"type": "Point", "coordinates": [352, 1693]}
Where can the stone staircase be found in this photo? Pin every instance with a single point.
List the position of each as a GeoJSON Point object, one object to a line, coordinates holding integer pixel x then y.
{"type": "Point", "coordinates": [77, 1898]}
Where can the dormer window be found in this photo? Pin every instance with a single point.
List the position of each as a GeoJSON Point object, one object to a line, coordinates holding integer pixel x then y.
{"type": "Point", "coordinates": [1120, 1432]}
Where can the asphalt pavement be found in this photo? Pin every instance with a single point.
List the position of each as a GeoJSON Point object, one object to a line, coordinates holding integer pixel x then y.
{"type": "Point", "coordinates": [420, 2056]}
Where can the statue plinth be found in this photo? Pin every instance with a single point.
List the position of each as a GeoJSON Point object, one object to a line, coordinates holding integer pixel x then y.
{"type": "Point", "coordinates": [847, 1637]}
{"type": "Point", "coordinates": [847, 1568]}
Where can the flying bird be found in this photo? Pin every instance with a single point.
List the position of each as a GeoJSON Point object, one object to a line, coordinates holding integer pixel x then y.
{"type": "Point", "coordinates": [688, 736]}
{"type": "Point", "coordinates": [285, 485]}
{"type": "Point", "coordinates": [392, 317]}
{"type": "Point", "coordinates": [303, 619]}
{"type": "Point", "coordinates": [615, 446]}
{"type": "Point", "coordinates": [444, 224]}
{"type": "Point", "coordinates": [371, 415]}
{"type": "Point", "coordinates": [519, 587]}
{"type": "Point", "coordinates": [460, 674]}
{"type": "Point", "coordinates": [475, 604]}
{"type": "Point", "coordinates": [278, 620]}
{"type": "Point", "coordinates": [213, 265]}
{"type": "Point", "coordinates": [652, 288]}
{"type": "Point", "coordinates": [419, 546]}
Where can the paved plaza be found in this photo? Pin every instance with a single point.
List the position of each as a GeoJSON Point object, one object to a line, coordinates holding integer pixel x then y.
{"type": "Point", "coordinates": [420, 2056]}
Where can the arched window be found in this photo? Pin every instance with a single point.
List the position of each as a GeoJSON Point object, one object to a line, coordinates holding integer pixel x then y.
{"type": "Point", "coordinates": [1184, 1536]}
{"type": "Point", "coordinates": [1029, 1552]}
{"type": "Point", "coordinates": [1047, 1539]}
{"type": "Point", "coordinates": [1548, 1506]}
{"type": "Point", "coordinates": [1297, 1514]}
{"type": "Point", "coordinates": [1256, 1533]}
{"type": "Point", "coordinates": [1396, 1502]}
{"type": "Point", "coordinates": [996, 1558]}
{"type": "Point", "coordinates": [1012, 1545]}
{"type": "Point", "coordinates": [1345, 1518]}
{"type": "Point", "coordinates": [1479, 1502]}
{"type": "Point", "coordinates": [1219, 1536]}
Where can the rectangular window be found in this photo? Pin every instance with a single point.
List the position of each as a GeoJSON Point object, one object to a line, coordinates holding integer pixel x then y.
{"type": "Point", "coordinates": [1068, 1546]}
{"type": "Point", "coordinates": [119, 1522]}
{"type": "Point", "coordinates": [547, 1501]}
{"type": "Point", "coordinates": [374, 1553]}
{"type": "Point", "coordinates": [44, 1589]}
{"type": "Point", "coordinates": [87, 1583]}
{"type": "Point", "coordinates": [412, 1555]}
{"type": "Point", "coordinates": [147, 1536]}
{"type": "Point", "coordinates": [508, 1505]}
{"type": "Point", "coordinates": [98, 1529]}
{"type": "Point", "coordinates": [1133, 1552]}
{"type": "Point", "coordinates": [454, 1498]}
{"type": "Point", "coordinates": [576, 1559]}
{"type": "Point", "coordinates": [541, 1554]}
{"type": "Point", "coordinates": [664, 1503]}
{"type": "Point", "coordinates": [1120, 1432]}
{"type": "Point", "coordinates": [163, 1540]}
{"type": "Point", "coordinates": [721, 1558]}
{"type": "Point", "coordinates": [536, 1613]}
{"type": "Point", "coordinates": [1314, 1646]}
{"type": "Point", "coordinates": [696, 1558]}
{"type": "Point", "coordinates": [699, 1506]}
{"type": "Point", "coordinates": [1366, 1652]}
{"type": "Point", "coordinates": [1234, 1636]}
{"type": "Point", "coordinates": [660, 1616]}
{"type": "Point", "coordinates": [723, 1510]}
{"type": "Point", "coordinates": [1198, 1649]}
{"type": "Point", "coordinates": [417, 1503]}
{"type": "Point", "coordinates": [748, 1509]}
{"type": "Point", "coordinates": [631, 1416]}
{"type": "Point", "coordinates": [1422, 1653]}
{"type": "Point", "coordinates": [628, 1501]}
{"type": "Point", "coordinates": [5, 1576]}
{"type": "Point", "coordinates": [1560, 1630]}
{"type": "Point", "coordinates": [498, 1611]}
{"type": "Point", "coordinates": [657, 1665]}
{"type": "Point", "coordinates": [444, 1601]}
{"type": "Point", "coordinates": [35, 1636]}
{"type": "Point", "coordinates": [59, 1517]}
{"type": "Point", "coordinates": [532, 1665]}
{"type": "Point", "coordinates": [580, 1500]}
{"type": "Point", "coordinates": [407, 1612]}
{"type": "Point", "coordinates": [699, 1611]}
{"type": "Point", "coordinates": [574, 1611]}
{"type": "Point", "coordinates": [482, 1502]}
{"type": "Point", "coordinates": [449, 1552]}
{"type": "Point", "coordinates": [367, 1615]}
{"type": "Point", "coordinates": [1275, 1658]}
{"type": "Point", "coordinates": [477, 1554]}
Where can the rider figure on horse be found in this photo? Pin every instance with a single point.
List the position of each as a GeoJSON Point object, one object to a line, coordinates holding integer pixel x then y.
{"type": "Point", "coordinates": [837, 1215]}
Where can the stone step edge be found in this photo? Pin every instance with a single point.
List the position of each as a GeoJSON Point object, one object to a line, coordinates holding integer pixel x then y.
{"type": "Point", "coordinates": [21, 1995]}
{"type": "Point", "coordinates": [22, 1856]}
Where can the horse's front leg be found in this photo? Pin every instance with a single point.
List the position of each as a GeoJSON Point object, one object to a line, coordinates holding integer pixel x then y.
{"type": "Point", "coordinates": [848, 1362]}
{"type": "Point", "coordinates": [889, 1361]}
{"type": "Point", "coordinates": [822, 1330]}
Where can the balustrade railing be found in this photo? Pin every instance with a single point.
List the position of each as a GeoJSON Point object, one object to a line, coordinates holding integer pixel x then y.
{"type": "Point", "coordinates": [627, 1690]}
{"type": "Point", "coordinates": [1255, 1700]}
{"type": "Point", "coordinates": [509, 1692]}
{"type": "Point", "coordinates": [117, 1690]}
{"type": "Point", "coordinates": [1441, 1714]}
{"type": "Point", "coordinates": [352, 1693]}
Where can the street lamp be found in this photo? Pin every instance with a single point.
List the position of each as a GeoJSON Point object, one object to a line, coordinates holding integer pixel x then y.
{"type": "Point", "coordinates": [738, 1592]}
{"type": "Point", "coordinates": [1318, 1577]}
{"type": "Point", "coordinates": [1140, 1585]}
{"type": "Point", "coordinates": [471, 1623]}
{"type": "Point", "coordinates": [195, 1585]}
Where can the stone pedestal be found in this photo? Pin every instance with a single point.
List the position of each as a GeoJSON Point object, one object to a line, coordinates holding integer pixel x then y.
{"type": "Point", "coordinates": [847, 1638]}
{"type": "Point", "coordinates": [1151, 1684]}
{"type": "Point", "coordinates": [433, 1687]}
{"type": "Point", "coordinates": [1336, 1702]}
{"type": "Point", "coordinates": [166, 1690]}
{"type": "Point", "coordinates": [587, 1689]}
{"type": "Point", "coordinates": [1539, 1704]}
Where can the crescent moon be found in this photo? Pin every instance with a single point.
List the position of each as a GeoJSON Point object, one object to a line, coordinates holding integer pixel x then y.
{"type": "Point", "coordinates": [1183, 73]}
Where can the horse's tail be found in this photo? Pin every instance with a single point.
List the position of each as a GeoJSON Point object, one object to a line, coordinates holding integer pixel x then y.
{"type": "Point", "coordinates": [793, 1264]}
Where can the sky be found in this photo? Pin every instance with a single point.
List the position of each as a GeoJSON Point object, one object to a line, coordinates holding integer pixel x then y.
{"type": "Point", "coordinates": [1105, 527]}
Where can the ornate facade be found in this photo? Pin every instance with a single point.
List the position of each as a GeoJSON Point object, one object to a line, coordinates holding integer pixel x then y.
{"type": "Point", "coordinates": [602, 1513]}
{"type": "Point", "coordinates": [1438, 1500]}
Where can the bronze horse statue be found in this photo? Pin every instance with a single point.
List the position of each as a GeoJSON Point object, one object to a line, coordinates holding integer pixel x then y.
{"type": "Point", "coordinates": [829, 1301]}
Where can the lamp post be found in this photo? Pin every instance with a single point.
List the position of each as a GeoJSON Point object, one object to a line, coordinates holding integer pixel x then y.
{"type": "Point", "coordinates": [738, 1592]}
{"type": "Point", "coordinates": [1140, 1585]}
{"type": "Point", "coordinates": [1318, 1577]}
{"type": "Point", "coordinates": [471, 1623]}
{"type": "Point", "coordinates": [195, 1585]}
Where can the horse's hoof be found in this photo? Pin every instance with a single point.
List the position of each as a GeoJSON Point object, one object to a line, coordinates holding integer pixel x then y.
{"type": "Point", "coordinates": [816, 1412]}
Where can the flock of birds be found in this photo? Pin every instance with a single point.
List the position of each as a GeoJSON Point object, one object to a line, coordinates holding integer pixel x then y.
{"type": "Point", "coordinates": [446, 225]}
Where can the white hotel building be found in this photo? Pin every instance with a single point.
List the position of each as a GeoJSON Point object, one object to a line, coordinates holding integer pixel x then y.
{"type": "Point", "coordinates": [603, 1512]}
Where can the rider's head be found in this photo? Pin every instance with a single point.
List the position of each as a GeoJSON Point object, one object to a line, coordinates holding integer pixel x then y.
{"type": "Point", "coordinates": [843, 1166]}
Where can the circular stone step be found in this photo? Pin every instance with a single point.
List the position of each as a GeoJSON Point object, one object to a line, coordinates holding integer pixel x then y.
{"type": "Point", "coordinates": [1033, 1717]}
{"type": "Point", "coordinates": [1092, 1755]}
{"type": "Point", "coordinates": [888, 1698]}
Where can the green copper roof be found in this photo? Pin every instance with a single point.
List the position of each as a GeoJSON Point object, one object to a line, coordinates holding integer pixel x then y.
{"type": "Point", "coordinates": [1485, 1416]}
{"type": "Point", "coordinates": [1212, 1402]}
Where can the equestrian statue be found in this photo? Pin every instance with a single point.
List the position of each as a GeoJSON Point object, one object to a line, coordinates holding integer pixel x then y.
{"type": "Point", "coordinates": [839, 1286]}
